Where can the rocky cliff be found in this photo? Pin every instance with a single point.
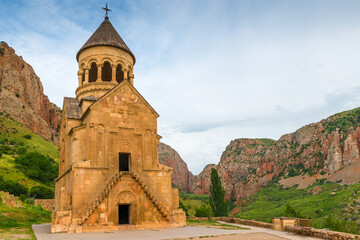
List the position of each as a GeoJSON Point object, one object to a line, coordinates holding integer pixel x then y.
{"type": "Point", "coordinates": [182, 178]}
{"type": "Point", "coordinates": [22, 96]}
{"type": "Point", "coordinates": [328, 149]}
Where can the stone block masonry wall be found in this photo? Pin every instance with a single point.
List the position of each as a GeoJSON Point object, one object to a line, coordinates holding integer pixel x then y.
{"type": "Point", "coordinates": [244, 222]}
{"type": "Point", "coordinates": [235, 220]}
{"type": "Point", "coordinates": [198, 218]}
{"type": "Point", "coordinates": [47, 204]}
{"type": "Point", "coordinates": [319, 233]}
{"type": "Point", "coordinates": [9, 199]}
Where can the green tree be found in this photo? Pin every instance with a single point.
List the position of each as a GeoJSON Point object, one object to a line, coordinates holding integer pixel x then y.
{"type": "Point", "coordinates": [203, 211]}
{"type": "Point", "coordinates": [217, 195]}
{"type": "Point", "coordinates": [38, 167]}
{"type": "Point", "coordinates": [183, 207]}
{"type": "Point", "coordinates": [13, 187]}
{"type": "Point", "coordinates": [41, 192]}
{"type": "Point", "coordinates": [291, 212]}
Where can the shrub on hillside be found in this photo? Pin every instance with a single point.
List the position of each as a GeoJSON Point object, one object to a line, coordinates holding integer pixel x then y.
{"type": "Point", "coordinates": [21, 150]}
{"type": "Point", "coordinates": [37, 166]}
{"type": "Point", "coordinates": [183, 207]}
{"type": "Point", "coordinates": [5, 149]}
{"type": "Point", "coordinates": [27, 136]}
{"type": "Point", "coordinates": [13, 187]}
{"type": "Point", "coordinates": [342, 225]}
{"type": "Point", "coordinates": [41, 192]}
{"type": "Point", "coordinates": [203, 211]}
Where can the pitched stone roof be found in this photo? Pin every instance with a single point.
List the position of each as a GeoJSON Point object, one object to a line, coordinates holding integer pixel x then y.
{"type": "Point", "coordinates": [72, 108]}
{"type": "Point", "coordinates": [106, 35]}
{"type": "Point", "coordinates": [90, 98]}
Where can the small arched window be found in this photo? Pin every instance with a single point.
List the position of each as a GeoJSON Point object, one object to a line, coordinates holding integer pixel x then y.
{"type": "Point", "coordinates": [106, 72]}
{"type": "Point", "coordinates": [119, 74]}
{"type": "Point", "coordinates": [93, 73]}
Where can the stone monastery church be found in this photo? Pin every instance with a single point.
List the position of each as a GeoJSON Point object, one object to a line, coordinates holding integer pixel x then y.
{"type": "Point", "coordinates": [109, 173]}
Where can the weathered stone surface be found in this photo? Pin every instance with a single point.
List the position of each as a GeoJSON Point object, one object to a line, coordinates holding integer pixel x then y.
{"type": "Point", "coordinates": [182, 178]}
{"type": "Point", "coordinates": [22, 96]}
{"type": "Point", "coordinates": [48, 204]}
{"type": "Point", "coordinates": [110, 177]}
{"type": "Point", "coordinates": [10, 199]}
{"type": "Point", "coordinates": [319, 233]}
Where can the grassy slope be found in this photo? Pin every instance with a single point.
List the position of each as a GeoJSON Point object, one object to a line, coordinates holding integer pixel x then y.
{"type": "Point", "coordinates": [12, 134]}
{"type": "Point", "coordinates": [271, 202]}
{"type": "Point", "coordinates": [15, 221]}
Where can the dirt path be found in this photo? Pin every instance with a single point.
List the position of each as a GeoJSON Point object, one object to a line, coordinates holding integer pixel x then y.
{"type": "Point", "coordinates": [42, 232]}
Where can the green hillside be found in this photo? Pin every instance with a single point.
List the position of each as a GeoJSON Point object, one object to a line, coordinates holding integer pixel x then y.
{"type": "Point", "coordinates": [335, 207]}
{"type": "Point", "coordinates": [28, 166]}
{"type": "Point", "coordinates": [17, 141]}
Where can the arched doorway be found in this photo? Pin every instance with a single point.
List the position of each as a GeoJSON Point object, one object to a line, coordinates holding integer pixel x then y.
{"type": "Point", "coordinates": [126, 201]}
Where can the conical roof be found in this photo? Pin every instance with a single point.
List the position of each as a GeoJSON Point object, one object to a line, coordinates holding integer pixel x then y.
{"type": "Point", "coordinates": [105, 35]}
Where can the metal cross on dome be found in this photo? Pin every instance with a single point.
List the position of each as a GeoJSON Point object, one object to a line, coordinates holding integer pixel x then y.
{"type": "Point", "coordinates": [106, 9]}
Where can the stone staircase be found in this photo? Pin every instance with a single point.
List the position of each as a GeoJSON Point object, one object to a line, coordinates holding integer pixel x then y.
{"type": "Point", "coordinates": [105, 193]}
{"type": "Point", "coordinates": [156, 202]}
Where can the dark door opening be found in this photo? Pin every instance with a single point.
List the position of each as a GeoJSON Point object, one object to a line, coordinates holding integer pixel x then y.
{"type": "Point", "coordinates": [124, 214]}
{"type": "Point", "coordinates": [124, 159]}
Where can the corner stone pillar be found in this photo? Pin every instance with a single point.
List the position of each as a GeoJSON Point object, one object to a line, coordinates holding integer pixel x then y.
{"type": "Point", "coordinates": [99, 73]}
{"type": "Point", "coordinates": [131, 77]}
{"type": "Point", "coordinates": [113, 73]}
{"type": "Point", "coordinates": [80, 75]}
{"type": "Point", "coordinates": [86, 76]}
{"type": "Point", "coordinates": [125, 71]}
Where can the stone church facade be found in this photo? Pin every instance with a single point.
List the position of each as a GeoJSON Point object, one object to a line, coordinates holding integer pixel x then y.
{"type": "Point", "coordinates": [109, 173]}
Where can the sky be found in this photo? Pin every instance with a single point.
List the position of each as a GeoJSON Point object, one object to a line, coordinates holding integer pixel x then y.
{"type": "Point", "coordinates": [215, 70]}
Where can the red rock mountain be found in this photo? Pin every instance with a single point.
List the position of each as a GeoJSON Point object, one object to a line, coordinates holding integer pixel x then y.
{"type": "Point", "coordinates": [22, 96]}
{"type": "Point", "coordinates": [327, 149]}
{"type": "Point", "coordinates": [182, 178]}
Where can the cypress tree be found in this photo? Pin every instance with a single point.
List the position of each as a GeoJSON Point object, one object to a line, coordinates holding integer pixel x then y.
{"type": "Point", "coordinates": [217, 195]}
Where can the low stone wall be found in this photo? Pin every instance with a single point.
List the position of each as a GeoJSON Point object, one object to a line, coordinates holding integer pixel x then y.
{"type": "Point", "coordinates": [234, 220]}
{"type": "Point", "coordinates": [244, 222]}
{"type": "Point", "coordinates": [197, 218]}
{"type": "Point", "coordinates": [9, 199]}
{"type": "Point", "coordinates": [48, 204]}
{"type": "Point", "coordinates": [305, 231]}
{"type": "Point", "coordinates": [319, 233]}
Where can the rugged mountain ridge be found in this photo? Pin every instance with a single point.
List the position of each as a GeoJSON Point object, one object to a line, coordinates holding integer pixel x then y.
{"type": "Point", "coordinates": [182, 178]}
{"type": "Point", "coordinates": [328, 149]}
{"type": "Point", "coordinates": [23, 98]}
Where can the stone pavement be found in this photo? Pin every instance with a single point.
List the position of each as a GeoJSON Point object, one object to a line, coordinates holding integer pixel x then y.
{"type": "Point", "coordinates": [42, 232]}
